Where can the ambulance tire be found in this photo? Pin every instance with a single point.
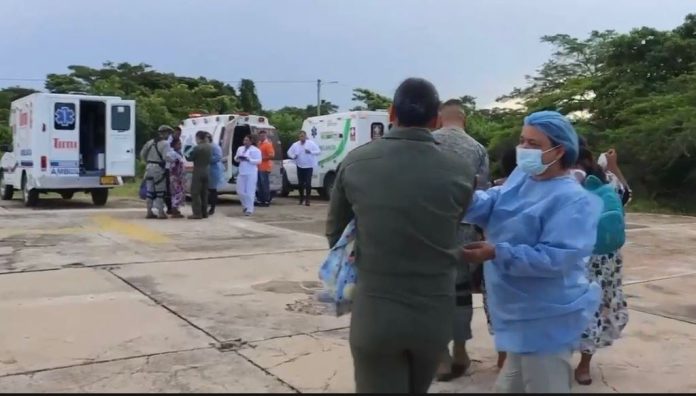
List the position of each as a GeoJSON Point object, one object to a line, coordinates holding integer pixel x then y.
{"type": "Point", "coordinates": [66, 195]}
{"type": "Point", "coordinates": [30, 197]}
{"type": "Point", "coordinates": [329, 179]}
{"type": "Point", "coordinates": [100, 196]}
{"type": "Point", "coordinates": [286, 187]}
{"type": "Point", "coordinates": [7, 190]}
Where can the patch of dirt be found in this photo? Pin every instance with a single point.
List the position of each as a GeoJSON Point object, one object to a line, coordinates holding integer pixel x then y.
{"type": "Point", "coordinates": [289, 287]}
{"type": "Point", "coordinates": [310, 306]}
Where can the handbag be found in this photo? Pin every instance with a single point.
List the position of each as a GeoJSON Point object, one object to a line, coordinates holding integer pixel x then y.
{"type": "Point", "coordinates": [142, 192]}
{"type": "Point", "coordinates": [338, 274]}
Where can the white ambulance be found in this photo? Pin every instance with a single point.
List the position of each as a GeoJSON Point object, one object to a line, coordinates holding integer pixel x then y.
{"type": "Point", "coordinates": [336, 135]}
{"type": "Point", "coordinates": [228, 131]}
{"type": "Point", "coordinates": [67, 143]}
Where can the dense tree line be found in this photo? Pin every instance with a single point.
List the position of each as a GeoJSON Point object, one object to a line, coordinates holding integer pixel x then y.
{"type": "Point", "coordinates": [634, 91]}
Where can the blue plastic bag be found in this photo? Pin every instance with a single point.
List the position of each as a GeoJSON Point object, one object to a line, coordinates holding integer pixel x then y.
{"type": "Point", "coordinates": [338, 274]}
{"type": "Point", "coordinates": [142, 192]}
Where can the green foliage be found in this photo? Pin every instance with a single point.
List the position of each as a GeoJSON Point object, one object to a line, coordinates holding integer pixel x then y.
{"type": "Point", "coordinates": [634, 91]}
{"type": "Point", "coordinates": [370, 100]}
{"type": "Point", "coordinates": [248, 100]}
{"type": "Point", "coordinates": [637, 92]}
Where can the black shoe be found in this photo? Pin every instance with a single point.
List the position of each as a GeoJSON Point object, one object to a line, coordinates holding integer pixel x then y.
{"type": "Point", "coordinates": [306, 203]}
{"type": "Point", "coordinates": [211, 212]}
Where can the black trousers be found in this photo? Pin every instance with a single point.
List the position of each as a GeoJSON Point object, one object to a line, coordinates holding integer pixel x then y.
{"type": "Point", "coordinates": [168, 194]}
{"type": "Point", "coordinates": [304, 180]}
{"type": "Point", "coordinates": [212, 198]}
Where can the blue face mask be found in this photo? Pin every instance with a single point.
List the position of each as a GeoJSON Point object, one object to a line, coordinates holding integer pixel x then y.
{"type": "Point", "coordinates": [530, 161]}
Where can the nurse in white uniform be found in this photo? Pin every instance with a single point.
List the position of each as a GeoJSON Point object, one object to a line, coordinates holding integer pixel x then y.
{"type": "Point", "coordinates": [249, 157]}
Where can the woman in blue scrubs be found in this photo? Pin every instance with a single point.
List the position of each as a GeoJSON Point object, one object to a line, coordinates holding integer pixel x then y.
{"type": "Point", "coordinates": [541, 225]}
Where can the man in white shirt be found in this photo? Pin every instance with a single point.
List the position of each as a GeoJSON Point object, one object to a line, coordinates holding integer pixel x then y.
{"type": "Point", "coordinates": [305, 153]}
{"type": "Point", "coordinates": [249, 157]}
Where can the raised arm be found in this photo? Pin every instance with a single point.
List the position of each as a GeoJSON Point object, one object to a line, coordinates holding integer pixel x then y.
{"type": "Point", "coordinates": [568, 237]}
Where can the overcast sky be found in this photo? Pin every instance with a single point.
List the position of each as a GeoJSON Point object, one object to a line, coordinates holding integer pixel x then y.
{"type": "Point", "coordinates": [482, 48]}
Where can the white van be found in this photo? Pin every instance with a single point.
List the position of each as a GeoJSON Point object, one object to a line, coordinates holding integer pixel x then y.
{"type": "Point", "coordinates": [336, 135]}
{"type": "Point", "coordinates": [67, 143]}
{"type": "Point", "coordinates": [228, 131]}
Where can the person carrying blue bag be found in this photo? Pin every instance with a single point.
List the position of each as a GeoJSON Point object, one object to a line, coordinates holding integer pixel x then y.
{"type": "Point", "coordinates": [407, 198]}
{"type": "Point", "coordinates": [338, 272]}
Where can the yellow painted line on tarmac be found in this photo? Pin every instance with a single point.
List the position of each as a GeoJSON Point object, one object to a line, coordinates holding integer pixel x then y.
{"type": "Point", "coordinates": [130, 230]}
{"type": "Point", "coordinates": [42, 231]}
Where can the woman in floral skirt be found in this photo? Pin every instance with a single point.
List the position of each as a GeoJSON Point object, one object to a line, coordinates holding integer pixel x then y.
{"type": "Point", "coordinates": [605, 269]}
{"type": "Point", "coordinates": [176, 178]}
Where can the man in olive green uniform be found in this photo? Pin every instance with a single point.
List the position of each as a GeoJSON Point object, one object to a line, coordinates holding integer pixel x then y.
{"type": "Point", "coordinates": [201, 156]}
{"type": "Point", "coordinates": [407, 197]}
{"type": "Point", "coordinates": [154, 154]}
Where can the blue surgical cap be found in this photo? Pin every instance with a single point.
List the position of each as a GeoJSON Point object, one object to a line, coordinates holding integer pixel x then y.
{"type": "Point", "coordinates": [559, 129]}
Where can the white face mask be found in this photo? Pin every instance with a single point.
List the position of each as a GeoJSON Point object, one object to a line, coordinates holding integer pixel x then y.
{"type": "Point", "coordinates": [579, 174]}
{"type": "Point", "coordinates": [602, 161]}
{"type": "Point", "coordinates": [531, 162]}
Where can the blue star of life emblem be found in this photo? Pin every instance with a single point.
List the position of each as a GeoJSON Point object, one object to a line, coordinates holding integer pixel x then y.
{"type": "Point", "coordinates": [314, 131]}
{"type": "Point", "coordinates": [65, 116]}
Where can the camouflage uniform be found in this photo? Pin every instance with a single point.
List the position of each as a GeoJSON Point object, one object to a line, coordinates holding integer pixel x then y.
{"type": "Point", "coordinates": [154, 154]}
{"type": "Point", "coordinates": [457, 141]}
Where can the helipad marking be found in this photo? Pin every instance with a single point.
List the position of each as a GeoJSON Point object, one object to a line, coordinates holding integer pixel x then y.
{"type": "Point", "coordinates": [138, 232]}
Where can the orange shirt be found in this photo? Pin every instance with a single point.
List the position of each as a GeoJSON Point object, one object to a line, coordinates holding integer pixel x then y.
{"type": "Point", "coordinates": [267, 154]}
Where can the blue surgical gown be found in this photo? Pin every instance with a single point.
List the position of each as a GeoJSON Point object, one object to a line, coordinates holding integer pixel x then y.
{"type": "Point", "coordinates": [539, 298]}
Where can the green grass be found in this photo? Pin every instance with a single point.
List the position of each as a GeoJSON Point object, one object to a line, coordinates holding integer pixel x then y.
{"type": "Point", "coordinates": [642, 205]}
{"type": "Point", "coordinates": [127, 190]}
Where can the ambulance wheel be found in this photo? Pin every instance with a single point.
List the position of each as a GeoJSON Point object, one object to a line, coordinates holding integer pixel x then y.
{"type": "Point", "coordinates": [7, 190]}
{"type": "Point", "coordinates": [30, 197]}
{"type": "Point", "coordinates": [286, 188]}
{"type": "Point", "coordinates": [329, 180]}
{"type": "Point", "coordinates": [67, 195]}
{"type": "Point", "coordinates": [100, 196]}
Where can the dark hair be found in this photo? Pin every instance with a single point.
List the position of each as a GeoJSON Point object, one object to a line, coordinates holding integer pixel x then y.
{"type": "Point", "coordinates": [565, 161]}
{"type": "Point", "coordinates": [508, 161]}
{"type": "Point", "coordinates": [201, 135]}
{"type": "Point", "coordinates": [177, 128]}
{"type": "Point", "coordinates": [416, 103]}
{"type": "Point", "coordinates": [590, 166]}
{"type": "Point", "coordinates": [582, 142]}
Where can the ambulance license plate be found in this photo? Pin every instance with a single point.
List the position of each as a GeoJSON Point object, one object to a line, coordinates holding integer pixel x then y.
{"type": "Point", "coordinates": [108, 180]}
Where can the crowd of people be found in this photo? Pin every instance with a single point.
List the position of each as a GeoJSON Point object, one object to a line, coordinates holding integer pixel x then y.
{"type": "Point", "coordinates": [542, 244]}
{"type": "Point", "coordinates": [164, 182]}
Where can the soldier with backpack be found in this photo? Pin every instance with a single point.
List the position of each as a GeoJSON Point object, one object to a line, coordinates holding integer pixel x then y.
{"type": "Point", "coordinates": [604, 266]}
{"type": "Point", "coordinates": [155, 153]}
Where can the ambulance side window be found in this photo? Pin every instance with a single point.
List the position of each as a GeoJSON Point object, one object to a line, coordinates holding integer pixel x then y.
{"type": "Point", "coordinates": [120, 118]}
{"type": "Point", "coordinates": [377, 130]}
{"type": "Point", "coordinates": [64, 116]}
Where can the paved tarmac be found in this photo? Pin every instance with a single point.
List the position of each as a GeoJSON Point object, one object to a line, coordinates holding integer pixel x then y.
{"type": "Point", "coordinates": [102, 300]}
